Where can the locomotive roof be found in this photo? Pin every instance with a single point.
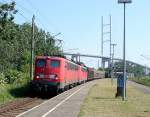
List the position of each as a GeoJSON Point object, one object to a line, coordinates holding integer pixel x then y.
{"type": "Point", "coordinates": [60, 57]}
{"type": "Point", "coordinates": [45, 57]}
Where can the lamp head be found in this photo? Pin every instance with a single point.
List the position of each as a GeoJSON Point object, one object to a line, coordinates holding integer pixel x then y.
{"type": "Point", "coordinates": [124, 1]}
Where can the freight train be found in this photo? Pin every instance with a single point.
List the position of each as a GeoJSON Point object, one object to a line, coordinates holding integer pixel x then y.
{"type": "Point", "coordinates": [56, 74]}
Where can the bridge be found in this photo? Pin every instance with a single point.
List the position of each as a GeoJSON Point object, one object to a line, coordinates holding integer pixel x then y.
{"type": "Point", "coordinates": [76, 57]}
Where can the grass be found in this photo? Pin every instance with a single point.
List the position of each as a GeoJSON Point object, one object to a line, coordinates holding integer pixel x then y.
{"type": "Point", "coordinates": [9, 92]}
{"type": "Point", "coordinates": [142, 80]}
{"type": "Point", "coordinates": [4, 94]}
{"type": "Point", "coordinates": [17, 89]}
{"type": "Point", "coordinates": [101, 102]}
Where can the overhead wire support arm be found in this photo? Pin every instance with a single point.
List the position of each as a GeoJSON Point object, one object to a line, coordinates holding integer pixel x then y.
{"type": "Point", "coordinates": [104, 33]}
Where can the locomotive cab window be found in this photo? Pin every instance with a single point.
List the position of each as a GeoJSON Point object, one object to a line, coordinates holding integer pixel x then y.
{"type": "Point", "coordinates": [41, 63]}
{"type": "Point", "coordinates": [55, 63]}
{"type": "Point", "coordinates": [84, 69]}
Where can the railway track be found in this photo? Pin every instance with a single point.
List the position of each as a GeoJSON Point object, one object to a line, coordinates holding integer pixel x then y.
{"type": "Point", "coordinates": [11, 109]}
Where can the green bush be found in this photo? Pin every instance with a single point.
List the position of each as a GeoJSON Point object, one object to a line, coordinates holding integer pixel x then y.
{"type": "Point", "coordinates": [2, 78]}
{"type": "Point", "coordinates": [14, 76]}
{"type": "Point", "coordinates": [11, 76]}
{"type": "Point", "coordinates": [22, 80]}
{"type": "Point", "coordinates": [13, 84]}
{"type": "Point", "coordinates": [25, 68]}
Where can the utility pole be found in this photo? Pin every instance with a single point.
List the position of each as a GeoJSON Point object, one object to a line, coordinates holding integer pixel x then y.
{"type": "Point", "coordinates": [102, 37]}
{"type": "Point", "coordinates": [32, 48]}
{"type": "Point", "coordinates": [110, 64]}
{"type": "Point", "coordinates": [102, 41]}
{"type": "Point", "coordinates": [98, 64]}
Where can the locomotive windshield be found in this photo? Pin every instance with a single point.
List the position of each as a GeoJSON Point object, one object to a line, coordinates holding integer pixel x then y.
{"type": "Point", "coordinates": [41, 63]}
{"type": "Point", "coordinates": [55, 63]}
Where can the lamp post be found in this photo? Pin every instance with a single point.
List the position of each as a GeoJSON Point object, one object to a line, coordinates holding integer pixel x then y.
{"type": "Point", "coordinates": [124, 2]}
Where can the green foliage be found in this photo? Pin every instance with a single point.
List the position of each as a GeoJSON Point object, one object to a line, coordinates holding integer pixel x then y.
{"type": "Point", "coordinates": [12, 76]}
{"type": "Point", "coordinates": [15, 49]}
{"type": "Point", "coordinates": [2, 78]}
{"type": "Point", "coordinates": [142, 80]}
{"type": "Point", "coordinates": [7, 12]}
{"type": "Point", "coordinates": [15, 43]}
{"type": "Point", "coordinates": [100, 69]}
{"type": "Point", "coordinates": [131, 68]}
{"type": "Point", "coordinates": [23, 62]}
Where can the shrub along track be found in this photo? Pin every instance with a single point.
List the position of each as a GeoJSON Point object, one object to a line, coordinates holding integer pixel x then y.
{"type": "Point", "coordinates": [11, 109]}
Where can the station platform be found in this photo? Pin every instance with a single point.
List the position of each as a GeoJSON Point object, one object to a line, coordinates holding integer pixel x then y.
{"type": "Point", "coordinates": [66, 104]}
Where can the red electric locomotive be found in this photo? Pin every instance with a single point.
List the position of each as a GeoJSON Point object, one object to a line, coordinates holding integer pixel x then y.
{"type": "Point", "coordinates": [56, 74]}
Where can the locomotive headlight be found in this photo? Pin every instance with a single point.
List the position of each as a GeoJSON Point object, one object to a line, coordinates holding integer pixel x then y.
{"type": "Point", "coordinates": [37, 76]}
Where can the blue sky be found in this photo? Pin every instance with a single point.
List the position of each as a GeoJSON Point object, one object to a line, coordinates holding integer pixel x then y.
{"type": "Point", "coordinates": [79, 21]}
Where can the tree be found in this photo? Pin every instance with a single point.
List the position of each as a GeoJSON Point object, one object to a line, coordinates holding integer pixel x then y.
{"type": "Point", "coordinates": [8, 35]}
{"type": "Point", "coordinates": [15, 42]}
{"type": "Point", "coordinates": [131, 68]}
{"type": "Point", "coordinates": [7, 12]}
